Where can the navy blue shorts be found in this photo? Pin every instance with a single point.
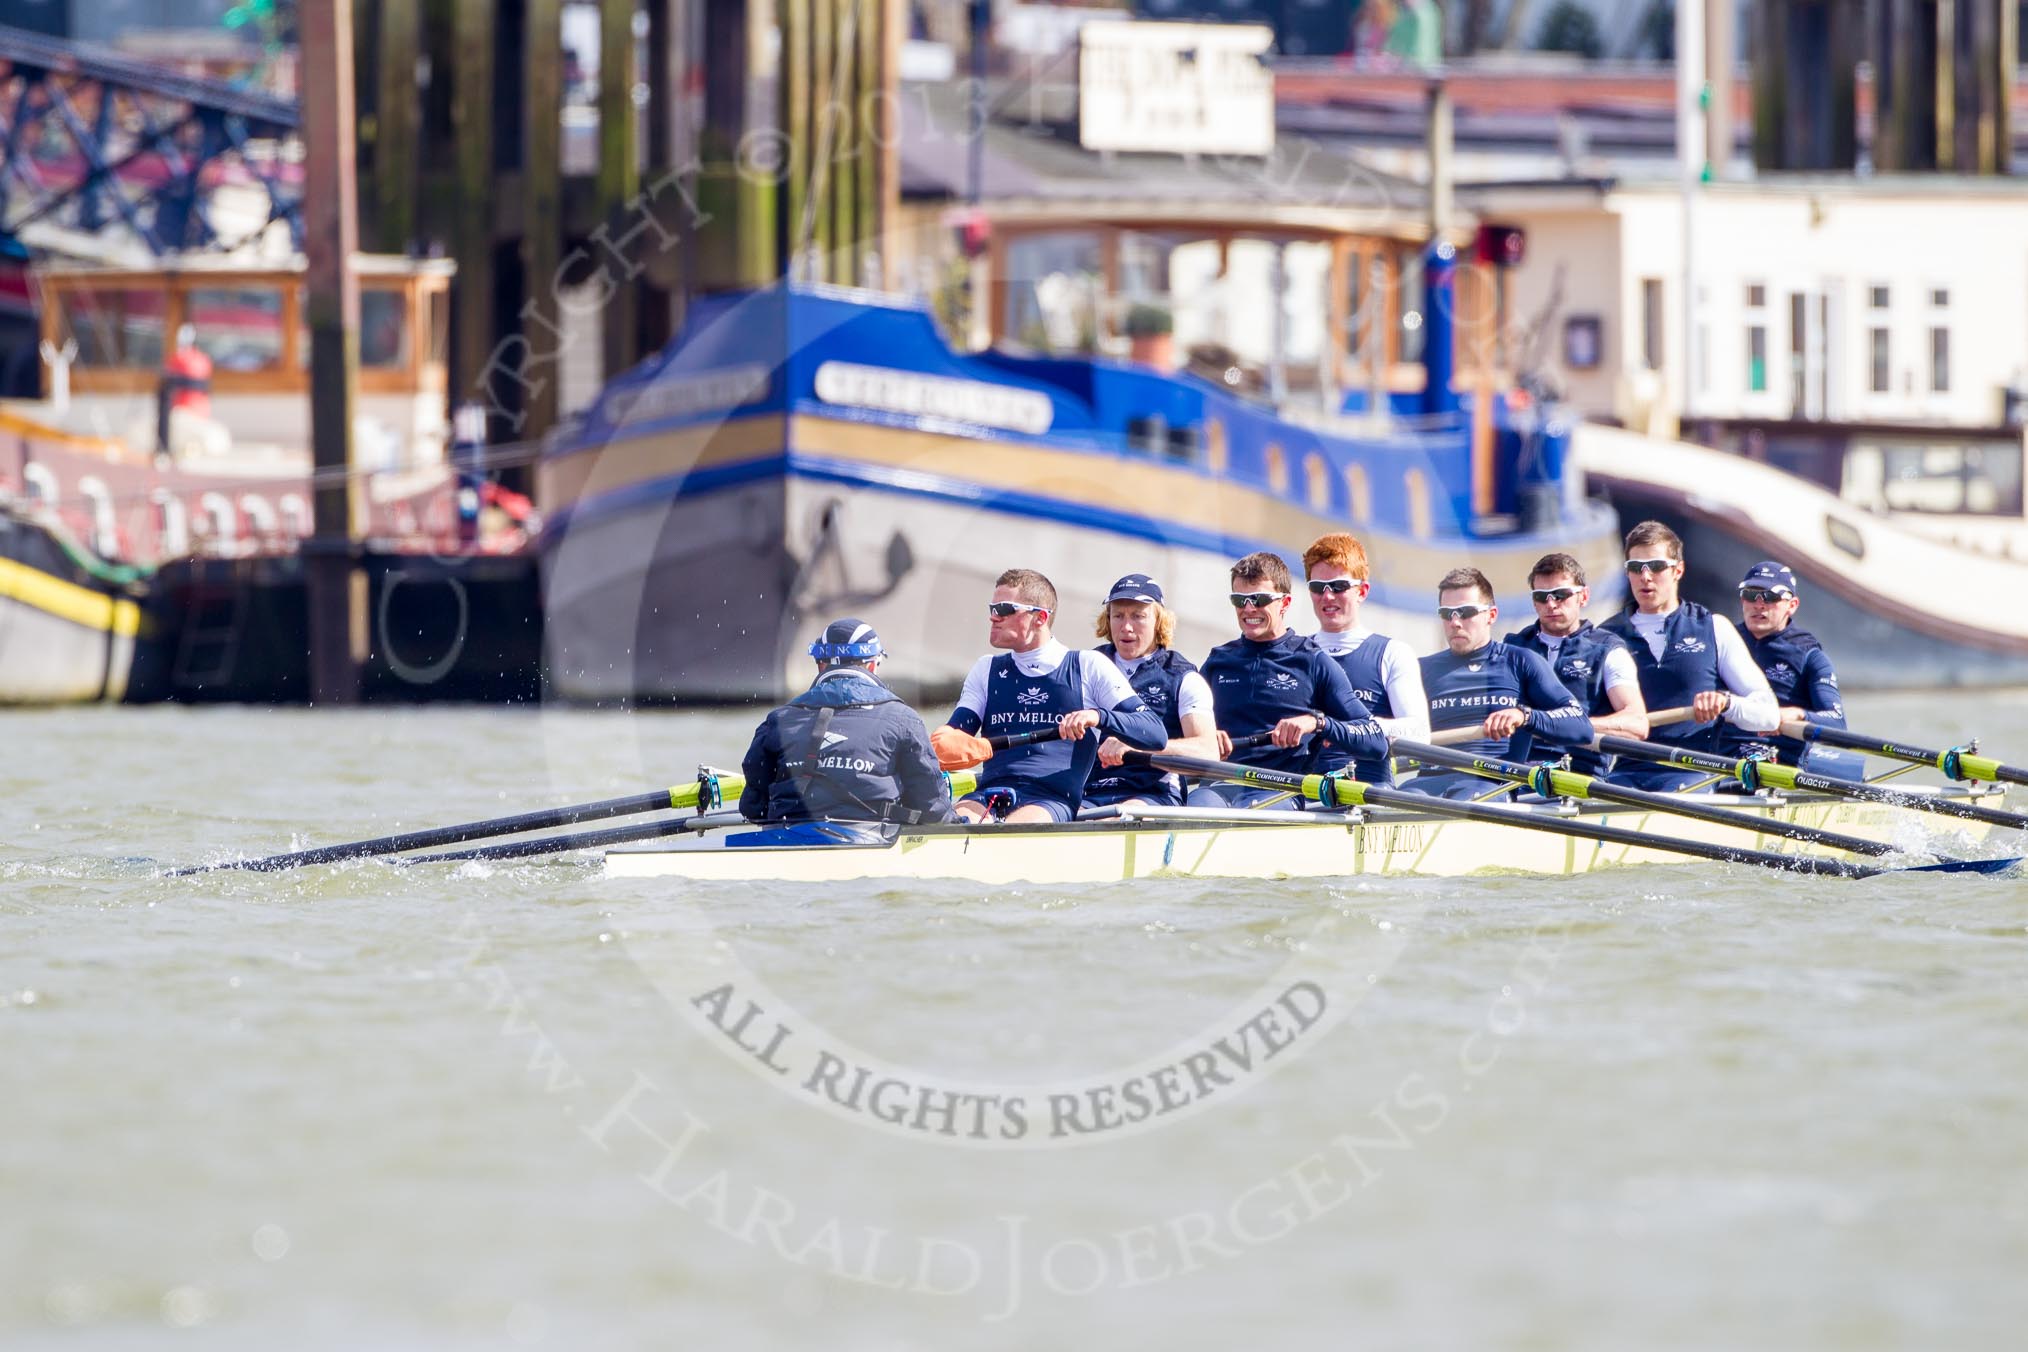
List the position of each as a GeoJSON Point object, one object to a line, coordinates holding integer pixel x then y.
{"type": "Point", "coordinates": [1058, 809]}
{"type": "Point", "coordinates": [1459, 785]}
{"type": "Point", "coordinates": [1244, 796]}
{"type": "Point", "coordinates": [1162, 797]}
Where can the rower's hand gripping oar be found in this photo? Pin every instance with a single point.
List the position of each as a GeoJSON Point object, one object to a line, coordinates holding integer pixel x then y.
{"type": "Point", "coordinates": [1957, 762]}
{"type": "Point", "coordinates": [1550, 782]}
{"type": "Point", "coordinates": [1332, 791]}
{"type": "Point", "coordinates": [961, 750]}
{"type": "Point", "coordinates": [1758, 774]}
{"type": "Point", "coordinates": [708, 784]}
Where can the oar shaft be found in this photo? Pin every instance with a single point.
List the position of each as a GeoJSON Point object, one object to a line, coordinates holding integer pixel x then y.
{"type": "Point", "coordinates": [583, 840]}
{"type": "Point", "coordinates": [1788, 777]}
{"type": "Point", "coordinates": [962, 782]}
{"type": "Point", "coordinates": [433, 837]}
{"type": "Point", "coordinates": [1522, 817]}
{"type": "Point", "coordinates": [1956, 763]}
{"type": "Point", "coordinates": [1566, 784]}
{"type": "Point", "coordinates": [1351, 792]}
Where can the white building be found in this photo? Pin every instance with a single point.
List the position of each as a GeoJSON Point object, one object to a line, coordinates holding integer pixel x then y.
{"type": "Point", "coordinates": [1882, 301]}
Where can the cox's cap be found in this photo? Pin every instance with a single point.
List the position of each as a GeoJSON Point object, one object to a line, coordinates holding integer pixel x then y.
{"type": "Point", "coordinates": [1135, 587]}
{"type": "Point", "coordinates": [847, 641]}
{"type": "Point", "coordinates": [1776, 577]}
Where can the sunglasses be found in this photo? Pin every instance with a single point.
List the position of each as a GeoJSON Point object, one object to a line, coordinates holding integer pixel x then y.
{"type": "Point", "coordinates": [1000, 610]}
{"type": "Point", "coordinates": [1543, 595]}
{"type": "Point", "coordinates": [1650, 565]}
{"type": "Point", "coordinates": [1762, 594]}
{"type": "Point", "coordinates": [1258, 600]}
{"type": "Point", "coordinates": [1460, 612]}
{"type": "Point", "coordinates": [1336, 584]}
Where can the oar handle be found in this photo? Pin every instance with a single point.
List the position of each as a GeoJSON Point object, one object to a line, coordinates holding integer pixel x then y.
{"type": "Point", "coordinates": [1048, 734]}
{"type": "Point", "coordinates": [1476, 732]}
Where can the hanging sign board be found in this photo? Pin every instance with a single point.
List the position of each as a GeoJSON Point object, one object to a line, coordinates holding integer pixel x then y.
{"type": "Point", "coordinates": [1175, 88]}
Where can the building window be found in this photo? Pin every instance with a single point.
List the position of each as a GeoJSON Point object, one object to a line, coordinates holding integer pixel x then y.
{"type": "Point", "coordinates": [1882, 377]}
{"type": "Point", "coordinates": [1756, 357]}
{"type": "Point", "coordinates": [1651, 323]}
{"type": "Point", "coordinates": [1940, 360]}
{"type": "Point", "coordinates": [1940, 298]}
{"type": "Point", "coordinates": [1756, 295]}
{"type": "Point", "coordinates": [1878, 298]}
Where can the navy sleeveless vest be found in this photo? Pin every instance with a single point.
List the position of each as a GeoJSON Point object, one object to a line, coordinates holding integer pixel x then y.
{"type": "Point", "coordinates": [1580, 664]}
{"type": "Point", "coordinates": [1020, 703]}
{"type": "Point", "coordinates": [1159, 683]}
{"type": "Point", "coordinates": [1362, 668]}
{"type": "Point", "coordinates": [1687, 667]}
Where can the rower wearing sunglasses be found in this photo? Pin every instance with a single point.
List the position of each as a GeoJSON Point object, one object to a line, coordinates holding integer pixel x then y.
{"type": "Point", "coordinates": [1034, 682]}
{"type": "Point", "coordinates": [1798, 671]}
{"type": "Point", "coordinates": [1593, 665]}
{"type": "Point", "coordinates": [1384, 671]}
{"type": "Point", "coordinates": [1686, 657]}
{"type": "Point", "coordinates": [1511, 695]}
{"type": "Point", "coordinates": [1272, 680]}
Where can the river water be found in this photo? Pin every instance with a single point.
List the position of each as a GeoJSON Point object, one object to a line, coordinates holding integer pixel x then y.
{"type": "Point", "coordinates": [504, 1106]}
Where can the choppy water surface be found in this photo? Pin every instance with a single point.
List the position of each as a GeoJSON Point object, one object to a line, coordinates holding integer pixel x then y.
{"type": "Point", "coordinates": [477, 1107]}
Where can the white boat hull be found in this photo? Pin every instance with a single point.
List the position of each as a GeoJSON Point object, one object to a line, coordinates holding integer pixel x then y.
{"type": "Point", "coordinates": [1278, 845]}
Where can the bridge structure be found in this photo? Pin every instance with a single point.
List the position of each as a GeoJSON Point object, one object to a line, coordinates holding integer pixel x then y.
{"type": "Point", "coordinates": [95, 145]}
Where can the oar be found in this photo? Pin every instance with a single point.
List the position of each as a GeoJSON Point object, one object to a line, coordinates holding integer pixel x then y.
{"type": "Point", "coordinates": [1755, 774]}
{"type": "Point", "coordinates": [679, 797]}
{"type": "Point", "coordinates": [1335, 792]}
{"type": "Point", "coordinates": [1957, 762]}
{"type": "Point", "coordinates": [582, 840]}
{"type": "Point", "coordinates": [962, 782]}
{"type": "Point", "coordinates": [1476, 733]}
{"type": "Point", "coordinates": [1550, 782]}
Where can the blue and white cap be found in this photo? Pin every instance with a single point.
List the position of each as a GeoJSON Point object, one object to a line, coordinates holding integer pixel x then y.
{"type": "Point", "coordinates": [1135, 587]}
{"type": "Point", "coordinates": [1775, 577]}
{"type": "Point", "coordinates": [847, 641]}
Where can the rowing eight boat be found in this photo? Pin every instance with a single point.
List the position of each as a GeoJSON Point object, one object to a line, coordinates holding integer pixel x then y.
{"type": "Point", "coordinates": [1207, 843]}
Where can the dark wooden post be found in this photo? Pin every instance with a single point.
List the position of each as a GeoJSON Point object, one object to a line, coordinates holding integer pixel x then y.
{"type": "Point", "coordinates": [472, 198]}
{"type": "Point", "coordinates": [619, 181]}
{"type": "Point", "coordinates": [397, 125]}
{"type": "Point", "coordinates": [542, 215]}
{"type": "Point", "coordinates": [336, 584]}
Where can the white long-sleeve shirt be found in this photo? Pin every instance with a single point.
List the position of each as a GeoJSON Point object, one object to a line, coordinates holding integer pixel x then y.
{"type": "Point", "coordinates": [1753, 707]}
{"type": "Point", "coordinates": [1400, 677]}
